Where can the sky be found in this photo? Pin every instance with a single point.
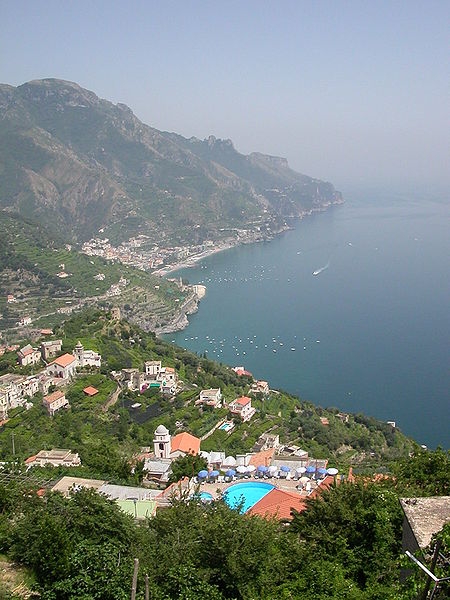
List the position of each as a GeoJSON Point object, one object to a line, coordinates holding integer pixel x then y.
{"type": "Point", "coordinates": [352, 92]}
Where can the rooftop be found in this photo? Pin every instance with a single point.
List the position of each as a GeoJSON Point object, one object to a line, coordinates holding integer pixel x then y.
{"type": "Point", "coordinates": [426, 516]}
{"type": "Point", "coordinates": [185, 442]}
{"type": "Point", "coordinates": [64, 360]}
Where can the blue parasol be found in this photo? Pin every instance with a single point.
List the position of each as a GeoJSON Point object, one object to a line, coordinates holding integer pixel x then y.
{"type": "Point", "coordinates": [202, 474]}
{"type": "Point", "coordinates": [310, 469]}
{"type": "Point", "coordinates": [285, 468]}
{"type": "Point", "coordinates": [230, 473]}
{"type": "Point", "coordinates": [214, 474]}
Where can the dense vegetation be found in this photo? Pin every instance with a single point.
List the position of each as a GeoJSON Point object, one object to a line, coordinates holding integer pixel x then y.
{"type": "Point", "coordinates": [346, 545]}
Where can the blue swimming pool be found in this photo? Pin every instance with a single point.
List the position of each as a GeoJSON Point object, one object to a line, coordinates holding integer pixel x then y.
{"type": "Point", "coordinates": [248, 492]}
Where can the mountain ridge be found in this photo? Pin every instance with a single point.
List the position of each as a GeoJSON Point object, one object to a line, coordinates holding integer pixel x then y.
{"type": "Point", "coordinates": [82, 163]}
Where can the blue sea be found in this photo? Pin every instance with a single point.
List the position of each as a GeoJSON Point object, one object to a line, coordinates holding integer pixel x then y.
{"type": "Point", "coordinates": [368, 333]}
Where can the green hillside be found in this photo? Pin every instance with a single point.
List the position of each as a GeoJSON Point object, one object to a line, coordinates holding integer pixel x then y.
{"type": "Point", "coordinates": [31, 258]}
{"type": "Point", "coordinates": [102, 437]}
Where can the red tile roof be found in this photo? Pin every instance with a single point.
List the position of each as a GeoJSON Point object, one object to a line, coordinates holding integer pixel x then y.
{"type": "Point", "coordinates": [64, 361]}
{"type": "Point", "coordinates": [90, 390]}
{"type": "Point", "coordinates": [53, 397]}
{"type": "Point", "coordinates": [279, 504]}
{"type": "Point", "coordinates": [243, 401]}
{"type": "Point", "coordinates": [262, 458]}
{"type": "Point", "coordinates": [185, 442]}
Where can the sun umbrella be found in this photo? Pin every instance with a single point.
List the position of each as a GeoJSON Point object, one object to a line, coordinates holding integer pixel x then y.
{"type": "Point", "coordinates": [301, 470]}
{"type": "Point", "coordinates": [263, 469]}
{"type": "Point", "coordinates": [273, 469]}
{"type": "Point", "coordinates": [230, 473]}
{"type": "Point", "coordinates": [241, 469]}
{"type": "Point", "coordinates": [332, 471]}
{"type": "Point", "coordinates": [251, 468]}
{"type": "Point", "coordinates": [304, 479]}
{"type": "Point", "coordinates": [214, 474]}
{"type": "Point", "coordinates": [202, 474]}
{"type": "Point", "coordinates": [310, 469]}
{"type": "Point", "coordinates": [285, 469]}
{"type": "Point", "coordinates": [321, 471]}
{"type": "Point", "coordinates": [230, 461]}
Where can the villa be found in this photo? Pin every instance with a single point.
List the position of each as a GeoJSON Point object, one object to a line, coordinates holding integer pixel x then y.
{"type": "Point", "coordinates": [55, 458]}
{"type": "Point", "coordinates": [28, 356]}
{"type": "Point", "coordinates": [54, 402]}
{"type": "Point", "coordinates": [211, 397]}
{"type": "Point", "coordinates": [243, 408]}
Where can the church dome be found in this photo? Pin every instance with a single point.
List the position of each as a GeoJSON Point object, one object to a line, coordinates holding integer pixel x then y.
{"type": "Point", "coordinates": [161, 430]}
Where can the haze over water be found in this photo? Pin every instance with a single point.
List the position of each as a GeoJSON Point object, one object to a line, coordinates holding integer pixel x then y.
{"type": "Point", "coordinates": [368, 334]}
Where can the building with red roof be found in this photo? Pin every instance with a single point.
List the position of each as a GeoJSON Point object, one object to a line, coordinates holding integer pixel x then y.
{"type": "Point", "coordinates": [64, 366]}
{"type": "Point", "coordinates": [242, 407]}
{"type": "Point", "coordinates": [55, 401]}
{"type": "Point", "coordinates": [90, 390]}
{"type": "Point", "coordinates": [184, 443]}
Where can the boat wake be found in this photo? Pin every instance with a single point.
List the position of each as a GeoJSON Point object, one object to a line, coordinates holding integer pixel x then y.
{"type": "Point", "coordinates": [319, 271]}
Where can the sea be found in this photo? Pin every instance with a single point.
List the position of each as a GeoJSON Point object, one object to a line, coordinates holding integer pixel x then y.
{"type": "Point", "coordinates": [348, 309]}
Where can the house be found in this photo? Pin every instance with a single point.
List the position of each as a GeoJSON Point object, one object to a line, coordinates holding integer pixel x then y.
{"type": "Point", "coordinates": [167, 374]}
{"type": "Point", "coordinates": [10, 388]}
{"type": "Point", "coordinates": [242, 372]}
{"type": "Point", "coordinates": [211, 397]}
{"type": "Point", "coordinates": [28, 355]}
{"type": "Point", "coordinates": [260, 387]}
{"type": "Point", "coordinates": [24, 321]}
{"type": "Point", "coordinates": [50, 349]}
{"type": "Point", "coordinates": [133, 378]}
{"type": "Point", "coordinates": [55, 458]}
{"type": "Point", "coordinates": [64, 366]}
{"type": "Point", "coordinates": [242, 407]}
{"type": "Point", "coordinates": [54, 402]}
{"type": "Point", "coordinates": [152, 368]}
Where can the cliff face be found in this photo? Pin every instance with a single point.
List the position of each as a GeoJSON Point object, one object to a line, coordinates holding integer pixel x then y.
{"type": "Point", "coordinates": [81, 164]}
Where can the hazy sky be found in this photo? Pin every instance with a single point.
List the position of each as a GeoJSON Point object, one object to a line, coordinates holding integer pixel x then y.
{"type": "Point", "coordinates": [347, 91]}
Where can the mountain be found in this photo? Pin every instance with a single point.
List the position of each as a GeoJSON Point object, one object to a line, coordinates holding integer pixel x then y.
{"type": "Point", "coordinates": [81, 164]}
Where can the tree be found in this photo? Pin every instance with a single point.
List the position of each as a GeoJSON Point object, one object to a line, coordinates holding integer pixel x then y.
{"type": "Point", "coordinates": [355, 525]}
{"type": "Point", "coordinates": [187, 466]}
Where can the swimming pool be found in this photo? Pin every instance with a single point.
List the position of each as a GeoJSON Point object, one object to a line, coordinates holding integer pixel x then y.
{"type": "Point", "coordinates": [226, 426]}
{"type": "Point", "coordinates": [248, 492]}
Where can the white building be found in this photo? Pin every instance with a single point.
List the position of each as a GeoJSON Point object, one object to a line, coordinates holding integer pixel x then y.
{"type": "Point", "coordinates": [28, 355]}
{"type": "Point", "coordinates": [87, 358]}
{"type": "Point", "coordinates": [55, 401]}
{"type": "Point", "coordinates": [152, 368]}
{"type": "Point", "coordinates": [55, 457]}
{"type": "Point", "coordinates": [64, 366]}
{"type": "Point", "coordinates": [211, 397]}
{"type": "Point", "coordinates": [242, 407]}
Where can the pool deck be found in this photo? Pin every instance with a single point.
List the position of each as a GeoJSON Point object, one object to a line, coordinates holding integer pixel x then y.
{"type": "Point", "coordinates": [288, 485]}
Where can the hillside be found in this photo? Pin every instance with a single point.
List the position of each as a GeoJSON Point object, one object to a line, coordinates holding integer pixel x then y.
{"type": "Point", "coordinates": [82, 164]}
{"type": "Point", "coordinates": [100, 436]}
{"type": "Point", "coordinates": [49, 278]}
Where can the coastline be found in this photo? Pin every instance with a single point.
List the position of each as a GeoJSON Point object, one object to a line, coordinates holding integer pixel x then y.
{"type": "Point", "coordinates": [181, 321]}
